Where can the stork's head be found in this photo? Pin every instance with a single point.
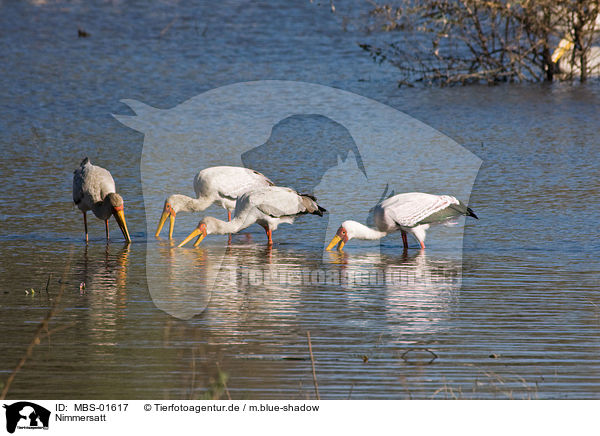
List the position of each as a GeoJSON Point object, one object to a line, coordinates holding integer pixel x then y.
{"type": "Point", "coordinates": [205, 227]}
{"type": "Point", "coordinates": [117, 209]}
{"type": "Point", "coordinates": [347, 231]}
{"type": "Point", "coordinates": [169, 211]}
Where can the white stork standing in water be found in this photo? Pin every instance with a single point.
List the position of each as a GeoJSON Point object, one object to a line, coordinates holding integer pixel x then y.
{"type": "Point", "coordinates": [221, 185]}
{"type": "Point", "coordinates": [94, 189]}
{"type": "Point", "coordinates": [267, 207]}
{"type": "Point", "coordinates": [412, 212]}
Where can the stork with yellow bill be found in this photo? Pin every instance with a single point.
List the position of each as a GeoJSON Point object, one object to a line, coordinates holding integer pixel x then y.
{"type": "Point", "coordinates": [412, 212]}
{"type": "Point", "coordinates": [221, 185]}
{"type": "Point", "coordinates": [94, 189]}
{"type": "Point", "coordinates": [267, 207]}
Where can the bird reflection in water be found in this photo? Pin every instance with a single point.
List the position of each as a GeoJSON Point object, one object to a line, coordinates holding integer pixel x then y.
{"type": "Point", "coordinates": [225, 287]}
{"type": "Point", "coordinates": [418, 290]}
{"type": "Point", "coordinates": [180, 281]}
{"type": "Point", "coordinates": [103, 271]}
{"type": "Point", "coordinates": [230, 278]}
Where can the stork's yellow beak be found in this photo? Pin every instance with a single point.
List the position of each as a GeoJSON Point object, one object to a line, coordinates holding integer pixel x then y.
{"type": "Point", "coordinates": [167, 212]}
{"type": "Point", "coordinates": [171, 225]}
{"type": "Point", "coordinates": [192, 235]}
{"type": "Point", "coordinates": [200, 238]}
{"type": "Point", "coordinates": [200, 230]}
{"type": "Point", "coordinates": [334, 241]}
{"type": "Point", "coordinates": [161, 223]}
{"type": "Point", "coordinates": [120, 217]}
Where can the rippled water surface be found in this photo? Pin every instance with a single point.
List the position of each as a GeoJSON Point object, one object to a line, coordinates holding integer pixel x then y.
{"type": "Point", "coordinates": [517, 317]}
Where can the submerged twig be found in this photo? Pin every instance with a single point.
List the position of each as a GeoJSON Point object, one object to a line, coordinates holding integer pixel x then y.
{"type": "Point", "coordinates": [350, 393]}
{"type": "Point", "coordinates": [48, 282]}
{"type": "Point", "coordinates": [312, 361]}
{"type": "Point", "coordinates": [193, 382]}
{"type": "Point", "coordinates": [57, 329]}
{"type": "Point", "coordinates": [224, 382]}
{"type": "Point", "coordinates": [167, 27]}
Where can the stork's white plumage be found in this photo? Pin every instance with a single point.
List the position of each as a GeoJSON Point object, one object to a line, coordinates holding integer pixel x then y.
{"type": "Point", "coordinates": [563, 53]}
{"type": "Point", "coordinates": [267, 207]}
{"type": "Point", "coordinates": [412, 212]}
{"type": "Point", "coordinates": [220, 185]}
{"type": "Point", "coordinates": [94, 189]}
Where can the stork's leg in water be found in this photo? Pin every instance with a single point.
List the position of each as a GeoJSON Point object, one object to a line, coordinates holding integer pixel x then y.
{"type": "Point", "coordinates": [106, 224]}
{"type": "Point", "coordinates": [229, 219]}
{"type": "Point", "coordinates": [404, 240]}
{"type": "Point", "coordinates": [269, 234]}
{"type": "Point", "coordinates": [422, 245]}
{"type": "Point", "coordinates": [85, 225]}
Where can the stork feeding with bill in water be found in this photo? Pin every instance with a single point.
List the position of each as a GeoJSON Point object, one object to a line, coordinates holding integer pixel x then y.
{"type": "Point", "coordinates": [412, 212]}
{"type": "Point", "coordinates": [94, 189]}
{"type": "Point", "coordinates": [221, 185]}
{"type": "Point", "coordinates": [267, 207]}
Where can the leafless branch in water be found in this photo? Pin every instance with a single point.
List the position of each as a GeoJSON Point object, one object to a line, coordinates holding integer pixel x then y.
{"type": "Point", "coordinates": [448, 42]}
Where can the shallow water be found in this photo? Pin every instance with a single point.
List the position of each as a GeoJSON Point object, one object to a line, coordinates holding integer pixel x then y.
{"type": "Point", "coordinates": [518, 317]}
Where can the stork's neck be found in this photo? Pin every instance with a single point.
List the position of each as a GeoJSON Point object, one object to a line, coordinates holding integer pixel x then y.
{"type": "Point", "coordinates": [360, 231]}
{"type": "Point", "coordinates": [218, 227]}
{"type": "Point", "coordinates": [183, 203]}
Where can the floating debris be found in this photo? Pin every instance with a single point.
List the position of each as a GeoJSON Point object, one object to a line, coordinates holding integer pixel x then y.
{"type": "Point", "coordinates": [419, 356]}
